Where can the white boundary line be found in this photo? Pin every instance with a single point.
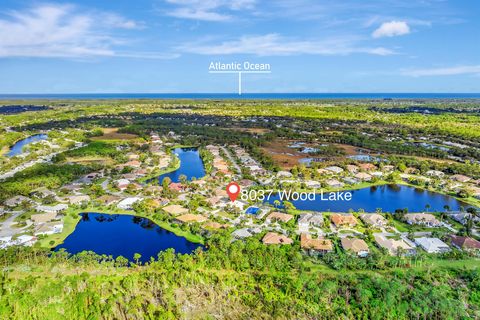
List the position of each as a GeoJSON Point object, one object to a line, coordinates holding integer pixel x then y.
{"type": "Point", "coordinates": [239, 76]}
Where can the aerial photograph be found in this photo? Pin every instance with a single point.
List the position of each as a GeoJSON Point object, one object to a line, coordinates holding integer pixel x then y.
{"type": "Point", "coordinates": [242, 159]}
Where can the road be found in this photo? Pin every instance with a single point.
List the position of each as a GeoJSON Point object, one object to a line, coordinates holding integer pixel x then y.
{"type": "Point", "coordinates": [24, 166]}
{"type": "Point", "coordinates": [7, 228]}
{"type": "Point", "coordinates": [229, 156]}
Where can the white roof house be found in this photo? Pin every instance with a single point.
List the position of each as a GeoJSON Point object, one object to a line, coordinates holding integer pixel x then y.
{"type": "Point", "coordinates": [334, 169]}
{"type": "Point", "coordinates": [241, 233]}
{"type": "Point", "coordinates": [127, 203]}
{"type": "Point", "coordinates": [52, 209]}
{"type": "Point", "coordinates": [432, 245]}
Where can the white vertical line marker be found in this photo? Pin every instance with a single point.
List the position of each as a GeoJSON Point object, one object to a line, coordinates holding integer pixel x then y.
{"type": "Point", "coordinates": [239, 83]}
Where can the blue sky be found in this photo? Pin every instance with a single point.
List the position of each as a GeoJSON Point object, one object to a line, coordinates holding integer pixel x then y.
{"type": "Point", "coordinates": [118, 46]}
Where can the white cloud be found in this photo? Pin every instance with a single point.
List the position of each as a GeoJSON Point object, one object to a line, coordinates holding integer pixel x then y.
{"type": "Point", "coordinates": [448, 71]}
{"type": "Point", "coordinates": [276, 45]}
{"type": "Point", "coordinates": [391, 29]}
{"type": "Point", "coordinates": [208, 10]}
{"type": "Point", "coordinates": [62, 31]}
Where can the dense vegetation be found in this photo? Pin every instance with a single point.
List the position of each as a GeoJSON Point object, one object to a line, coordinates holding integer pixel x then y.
{"type": "Point", "coordinates": [229, 280]}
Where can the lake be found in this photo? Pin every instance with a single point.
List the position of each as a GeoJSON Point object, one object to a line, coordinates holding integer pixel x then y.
{"type": "Point", "coordinates": [123, 235]}
{"type": "Point", "coordinates": [387, 197]}
{"type": "Point", "coordinates": [191, 165]}
{"type": "Point", "coordinates": [17, 148]}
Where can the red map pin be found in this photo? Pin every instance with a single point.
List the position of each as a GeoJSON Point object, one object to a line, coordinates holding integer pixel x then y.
{"type": "Point", "coordinates": [233, 189]}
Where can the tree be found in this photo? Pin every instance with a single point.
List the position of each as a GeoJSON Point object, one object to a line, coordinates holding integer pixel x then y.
{"type": "Point", "coordinates": [137, 257]}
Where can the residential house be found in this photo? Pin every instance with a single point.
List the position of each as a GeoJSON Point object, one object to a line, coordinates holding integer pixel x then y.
{"type": "Point", "coordinates": [43, 193]}
{"type": "Point", "coordinates": [241, 233]}
{"type": "Point", "coordinates": [278, 216]}
{"type": "Point", "coordinates": [465, 243]}
{"type": "Point", "coordinates": [127, 203]}
{"type": "Point", "coordinates": [122, 184]}
{"type": "Point", "coordinates": [56, 209]}
{"type": "Point", "coordinates": [108, 200]}
{"type": "Point", "coordinates": [425, 219]}
{"type": "Point", "coordinates": [435, 173]}
{"type": "Point", "coordinates": [340, 220]}
{"type": "Point", "coordinates": [25, 240]}
{"type": "Point", "coordinates": [189, 218]}
{"type": "Point", "coordinates": [275, 238]}
{"type": "Point", "coordinates": [334, 183]}
{"type": "Point", "coordinates": [309, 219]}
{"type": "Point", "coordinates": [358, 246]}
{"type": "Point", "coordinates": [215, 225]}
{"type": "Point", "coordinates": [315, 246]}
{"type": "Point", "coordinates": [334, 169]}
{"type": "Point", "coordinates": [352, 168]}
{"type": "Point", "coordinates": [43, 217]}
{"type": "Point", "coordinates": [175, 209]}
{"type": "Point", "coordinates": [460, 178]}
{"type": "Point", "coordinates": [16, 201]}
{"type": "Point", "coordinates": [312, 184]}
{"type": "Point", "coordinates": [393, 246]}
{"type": "Point", "coordinates": [432, 245]}
{"type": "Point", "coordinates": [367, 166]}
{"type": "Point", "coordinates": [461, 217]}
{"type": "Point", "coordinates": [78, 199]}
{"type": "Point", "coordinates": [49, 228]}
{"type": "Point", "coordinates": [363, 176]}
{"type": "Point", "coordinates": [374, 219]}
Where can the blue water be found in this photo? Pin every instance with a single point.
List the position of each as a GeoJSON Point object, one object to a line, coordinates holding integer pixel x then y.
{"type": "Point", "coordinates": [387, 197]}
{"type": "Point", "coordinates": [191, 165]}
{"type": "Point", "coordinates": [123, 235]}
{"type": "Point", "coordinates": [17, 148]}
{"type": "Point", "coordinates": [244, 96]}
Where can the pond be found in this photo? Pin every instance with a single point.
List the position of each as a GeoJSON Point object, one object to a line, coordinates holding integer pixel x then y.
{"type": "Point", "coordinates": [123, 235]}
{"type": "Point", "coordinates": [191, 165]}
{"type": "Point", "coordinates": [387, 197]}
{"type": "Point", "coordinates": [17, 148]}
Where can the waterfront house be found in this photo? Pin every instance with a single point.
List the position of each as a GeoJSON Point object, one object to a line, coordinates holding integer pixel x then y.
{"type": "Point", "coordinates": [127, 203]}
{"type": "Point", "coordinates": [340, 220]}
{"type": "Point", "coordinates": [334, 183]}
{"type": "Point", "coordinates": [175, 209]}
{"type": "Point", "coordinates": [432, 245]}
{"type": "Point", "coordinates": [49, 228]}
{"type": "Point", "coordinates": [357, 246]}
{"type": "Point", "coordinates": [278, 216]}
{"type": "Point", "coordinates": [107, 199]}
{"type": "Point", "coordinates": [373, 219]}
{"type": "Point", "coordinates": [309, 219]}
{"type": "Point", "coordinates": [425, 219]}
{"type": "Point", "coordinates": [363, 176]}
{"type": "Point", "coordinates": [275, 238]}
{"type": "Point", "coordinates": [190, 218]}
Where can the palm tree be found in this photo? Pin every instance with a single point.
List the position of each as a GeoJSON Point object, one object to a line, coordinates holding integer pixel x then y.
{"type": "Point", "coordinates": [446, 207]}
{"type": "Point", "coordinates": [427, 207]}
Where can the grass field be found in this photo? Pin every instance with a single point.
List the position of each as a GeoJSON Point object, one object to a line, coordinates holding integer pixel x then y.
{"type": "Point", "coordinates": [113, 134]}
